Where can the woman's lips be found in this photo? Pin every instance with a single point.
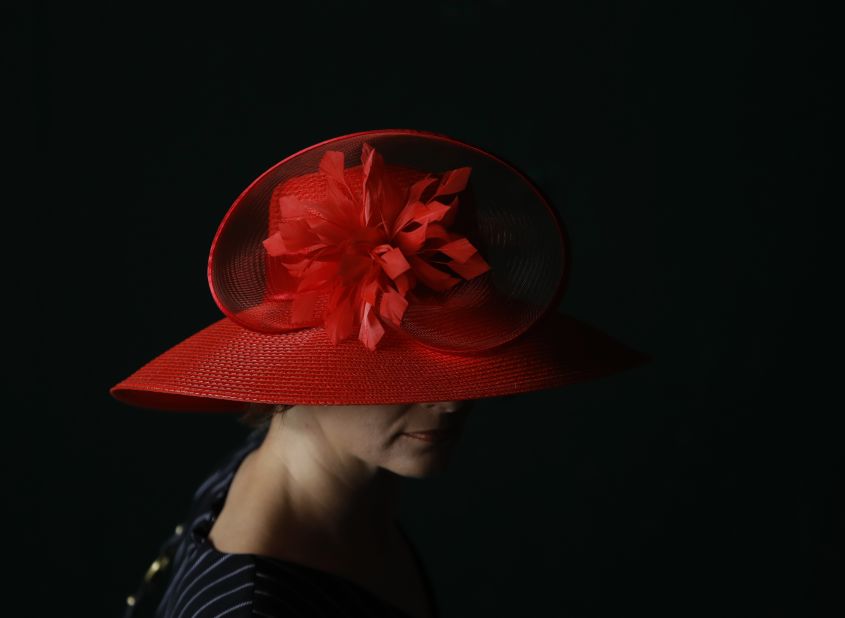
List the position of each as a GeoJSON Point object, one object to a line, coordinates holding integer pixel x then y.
{"type": "Point", "coordinates": [439, 435]}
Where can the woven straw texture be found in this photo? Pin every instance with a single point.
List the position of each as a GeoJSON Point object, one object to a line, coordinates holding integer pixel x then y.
{"type": "Point", "coordinates": [224, 365]}
{"type": "Point", "coordinates": [493, 335]}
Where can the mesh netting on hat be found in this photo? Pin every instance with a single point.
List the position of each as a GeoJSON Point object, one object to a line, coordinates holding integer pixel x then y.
{"type": "Point", "coordinates": [497, 219]}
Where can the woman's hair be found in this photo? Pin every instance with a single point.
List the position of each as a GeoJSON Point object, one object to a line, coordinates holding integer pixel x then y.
{"type": "Point", "coordinates": [260, 415]}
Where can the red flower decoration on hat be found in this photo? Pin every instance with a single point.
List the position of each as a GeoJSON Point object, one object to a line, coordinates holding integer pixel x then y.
{"type": "Point", "coordinates": [368, 252]}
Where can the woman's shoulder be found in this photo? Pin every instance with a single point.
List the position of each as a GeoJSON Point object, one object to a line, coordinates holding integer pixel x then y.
{"type": "Point", "coordinates": [209, 583]}
{"type": "Point", "coordinates": [179, 556]}
{"type": "Point", "coordinates": [204, 581]}
{"type": "Point", "coordinates": [287, 588]}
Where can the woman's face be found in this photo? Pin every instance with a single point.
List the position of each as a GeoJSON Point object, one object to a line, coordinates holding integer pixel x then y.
{"type": "Point", "coordinates": [387, 435]}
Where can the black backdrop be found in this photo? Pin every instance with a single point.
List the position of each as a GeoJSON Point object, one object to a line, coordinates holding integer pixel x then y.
{"type": "Point", "coordinates": [686, 147]}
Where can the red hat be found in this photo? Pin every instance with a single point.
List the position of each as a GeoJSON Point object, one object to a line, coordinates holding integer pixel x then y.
{"type": "Point", "coordinates": [387, 266]}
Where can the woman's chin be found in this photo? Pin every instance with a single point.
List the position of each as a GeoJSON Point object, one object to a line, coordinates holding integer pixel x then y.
{"type": "Point", "coordinates": [422, 466]}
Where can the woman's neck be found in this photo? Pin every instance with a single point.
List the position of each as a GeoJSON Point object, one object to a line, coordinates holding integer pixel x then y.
{"type": "Point", "coordinates": [296, 493]}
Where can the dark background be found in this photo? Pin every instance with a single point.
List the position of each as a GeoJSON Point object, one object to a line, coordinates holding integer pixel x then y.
{"type": "Point", "coordinates": [687, 149]}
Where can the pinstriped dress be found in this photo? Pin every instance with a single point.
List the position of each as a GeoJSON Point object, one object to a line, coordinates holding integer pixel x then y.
{"type": "Point", "coordinates": [191, 579]}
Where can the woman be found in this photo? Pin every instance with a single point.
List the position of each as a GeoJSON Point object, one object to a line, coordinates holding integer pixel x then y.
{"type": "Point", "coordinates": [379, 311]}
{"type": "Point", "coordinates": [316, 486]}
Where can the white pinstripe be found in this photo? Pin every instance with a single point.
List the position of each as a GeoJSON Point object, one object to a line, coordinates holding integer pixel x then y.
{"type": "Point", "coordinates": [233, 608]}
{"type": "Point", "coordinates": [214, 583]}
{"type": "Point", "coordinates": [220, 596]}
{"type": "Point", "coordinates": [179, 575]}
{"type": "Point", "coordinates": [199, 577]}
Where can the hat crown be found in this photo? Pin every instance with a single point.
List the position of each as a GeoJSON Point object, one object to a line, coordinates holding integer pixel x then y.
{"type": "Point", "coordinates": [501, 268]}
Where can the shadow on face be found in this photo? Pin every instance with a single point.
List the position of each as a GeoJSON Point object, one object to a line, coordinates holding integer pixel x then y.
{"type": "Point", "coordinates": [413, 440]}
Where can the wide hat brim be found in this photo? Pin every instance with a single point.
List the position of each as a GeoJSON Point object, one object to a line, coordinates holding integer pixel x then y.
{"type": "Point", "coordinates": [224, 367]}
{"type": "Point", "coordinates": [493, 334]}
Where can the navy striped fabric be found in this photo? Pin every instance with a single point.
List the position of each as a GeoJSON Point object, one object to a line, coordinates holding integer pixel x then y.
{"type": "Point", "coordinates": [198, 581]}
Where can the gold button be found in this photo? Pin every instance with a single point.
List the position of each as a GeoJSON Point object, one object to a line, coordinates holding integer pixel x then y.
{"type": "Point", "coordinates": [158, 564]}
{"type": "Point", "coordinates": [130, 600]}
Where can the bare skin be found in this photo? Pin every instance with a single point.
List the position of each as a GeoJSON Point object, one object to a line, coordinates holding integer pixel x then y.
{"type": "Point", "coordinates": [323, 490]}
